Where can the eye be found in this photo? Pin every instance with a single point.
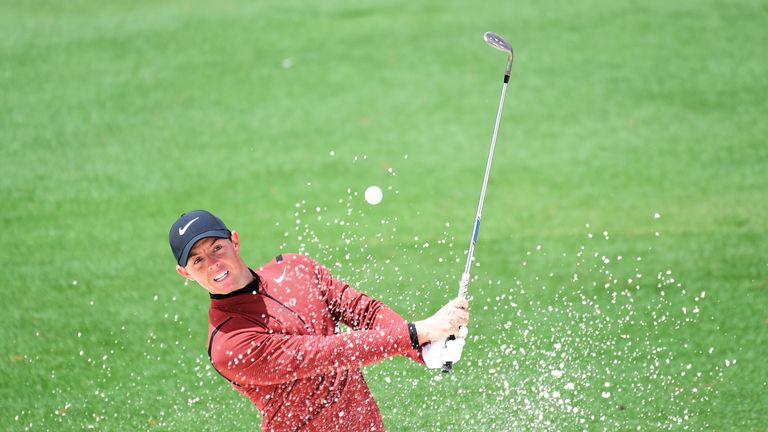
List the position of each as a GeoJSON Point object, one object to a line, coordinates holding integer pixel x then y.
{"type": "Point", "coordinates": [217, 248]}
{"type": "Point", "coordinates": [196, 261]}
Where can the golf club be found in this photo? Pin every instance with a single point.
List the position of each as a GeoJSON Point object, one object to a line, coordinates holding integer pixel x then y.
{"type": "Point", "coordinates": [499, 43]}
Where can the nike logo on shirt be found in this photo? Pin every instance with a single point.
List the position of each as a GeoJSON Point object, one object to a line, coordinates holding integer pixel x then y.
{"type": "Point", "coordinates": [282, 276]}
{"type": "Point", "coordinates": [183, 230]}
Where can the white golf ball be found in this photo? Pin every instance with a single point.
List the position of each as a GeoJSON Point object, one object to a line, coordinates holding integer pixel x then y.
{"type": "Point", "coordinates": [373, 195]}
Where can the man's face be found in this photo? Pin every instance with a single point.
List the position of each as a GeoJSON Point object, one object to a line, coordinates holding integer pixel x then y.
{"type": "Point", "coordinates": [215, 264]}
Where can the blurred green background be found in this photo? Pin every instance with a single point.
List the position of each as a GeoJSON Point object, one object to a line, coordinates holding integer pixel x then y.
{"type": "Point", "coordinates": [622, 279]}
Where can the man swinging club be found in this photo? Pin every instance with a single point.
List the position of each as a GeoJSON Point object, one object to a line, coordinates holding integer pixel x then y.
{"type": "Point", "coordinates": [273, 331]}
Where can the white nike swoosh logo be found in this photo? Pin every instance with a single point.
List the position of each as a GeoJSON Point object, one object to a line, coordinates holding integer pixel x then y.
{"type": "Point", "coordinates": [183, 230]}
{"type": "Point", "coordinates": [282, 276]}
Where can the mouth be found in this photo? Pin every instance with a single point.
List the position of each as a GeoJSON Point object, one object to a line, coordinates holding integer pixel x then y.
{"type": "Point", "coordinates": [221, 276]}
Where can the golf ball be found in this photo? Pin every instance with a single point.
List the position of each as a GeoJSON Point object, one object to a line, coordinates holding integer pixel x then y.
{"type": "Point", "coordinates": [373, 195]}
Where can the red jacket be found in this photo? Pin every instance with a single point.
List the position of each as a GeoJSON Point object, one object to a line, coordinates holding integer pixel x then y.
{"type": "Point", "coordinates": [277, 341]}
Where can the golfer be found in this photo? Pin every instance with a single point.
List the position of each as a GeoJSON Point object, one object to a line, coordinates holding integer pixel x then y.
{"type": "Point", "coordinates": [273, 331]}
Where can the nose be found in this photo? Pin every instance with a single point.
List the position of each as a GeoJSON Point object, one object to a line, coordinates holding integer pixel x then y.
{"type": "Point", "coordinates": [213, 263]}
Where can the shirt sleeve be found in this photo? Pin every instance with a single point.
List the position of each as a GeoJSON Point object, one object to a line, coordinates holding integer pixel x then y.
{"type": "Point", "coordinates": [357, 310]}
{"type": "Point", "coordinates": [249, 357]}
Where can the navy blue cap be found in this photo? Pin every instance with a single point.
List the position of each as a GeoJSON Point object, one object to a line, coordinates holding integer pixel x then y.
{"type": "Point", "coordinates": [191, 227]}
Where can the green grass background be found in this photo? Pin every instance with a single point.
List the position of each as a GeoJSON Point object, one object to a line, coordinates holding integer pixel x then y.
{"type": "Point", "coordinates": [115, 117]}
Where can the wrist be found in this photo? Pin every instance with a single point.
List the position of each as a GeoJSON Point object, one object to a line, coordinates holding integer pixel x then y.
{"type": "Point", "coordinates": [422, 333]}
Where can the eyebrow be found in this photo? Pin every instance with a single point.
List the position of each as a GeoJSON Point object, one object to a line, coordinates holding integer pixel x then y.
{"type": "Point", "coordinates": [196, 250]}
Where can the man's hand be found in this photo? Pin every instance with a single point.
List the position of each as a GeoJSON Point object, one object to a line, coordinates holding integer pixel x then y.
{"type": "Point", "coordinates": [435, 332]}
{"type": "Point", "coordinates": [445, 322]}
{"type": "Point", "coordinates": [437, 353]}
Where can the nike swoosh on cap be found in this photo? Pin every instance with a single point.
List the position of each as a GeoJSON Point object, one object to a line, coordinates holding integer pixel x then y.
{"type": "Point", "coordinates": [183, 230]}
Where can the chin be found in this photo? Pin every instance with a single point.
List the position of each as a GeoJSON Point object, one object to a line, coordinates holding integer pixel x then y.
{"type": "Point", "coordinates": [225, 286]}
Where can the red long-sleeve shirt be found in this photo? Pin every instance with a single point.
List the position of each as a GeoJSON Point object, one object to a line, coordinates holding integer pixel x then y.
{"type": "Point", "coordinates": [277, 342]}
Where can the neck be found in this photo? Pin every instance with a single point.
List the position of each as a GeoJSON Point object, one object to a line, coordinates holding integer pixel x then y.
{"type": "Point", "coordinates": [245, 277]}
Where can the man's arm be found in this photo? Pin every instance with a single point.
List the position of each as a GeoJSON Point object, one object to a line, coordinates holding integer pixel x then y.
{"type": "Point", "coordinates": [249, 357]}
{"type": "Point", "coordinates": [357, 310]}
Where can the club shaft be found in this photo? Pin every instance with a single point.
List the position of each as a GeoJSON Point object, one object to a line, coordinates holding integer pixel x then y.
{"type": "Point", "coordinates": [476, 229]}
{"type": "Point", "coordinates": [464, 283]}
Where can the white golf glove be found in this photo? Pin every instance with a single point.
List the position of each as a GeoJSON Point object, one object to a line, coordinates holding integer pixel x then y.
{"type": "Point", "coordinates": [446, 350]}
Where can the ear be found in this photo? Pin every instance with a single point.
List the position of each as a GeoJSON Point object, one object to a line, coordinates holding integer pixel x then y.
{"type": "Point", "coordinates": [235, 241]}
{"type": "Point", "coordinates": [183, 272]}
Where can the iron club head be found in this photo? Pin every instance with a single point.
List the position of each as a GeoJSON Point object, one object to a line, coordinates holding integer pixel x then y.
{"type": "Point", "coordinates": [497, 42]}
{"type": "Point", "coordinates": [500, 44]}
